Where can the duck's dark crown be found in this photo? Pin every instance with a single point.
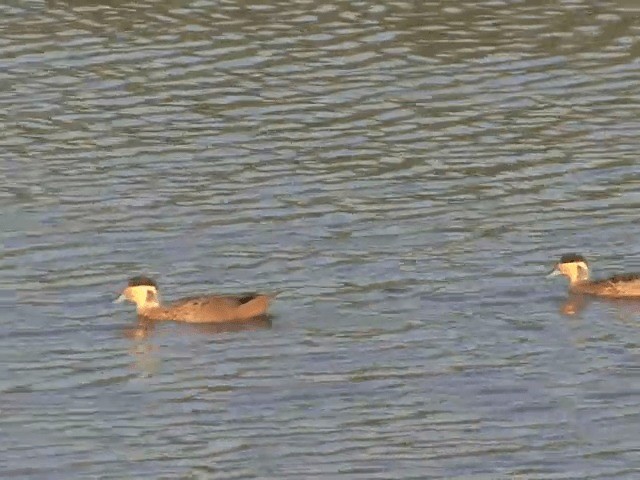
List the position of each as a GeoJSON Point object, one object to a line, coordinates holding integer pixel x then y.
{"type": "Point", "coordinates": [572, 258]}
{"type": "Point", "coordinates": [142, 281]}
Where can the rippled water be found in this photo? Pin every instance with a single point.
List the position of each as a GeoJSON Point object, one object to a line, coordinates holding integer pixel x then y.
{"type": "Point", "coordinates": [405, 172]}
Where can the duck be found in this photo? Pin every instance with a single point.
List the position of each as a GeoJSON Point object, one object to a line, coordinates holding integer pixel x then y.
{"type": "Point", "coordinates": [576, 268]}
{"type": "Point", "coordinates": [143, 292]}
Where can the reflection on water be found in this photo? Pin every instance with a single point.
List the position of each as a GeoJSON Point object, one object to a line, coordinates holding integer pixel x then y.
{"type": "Point", "coordinates": [576, 304]}
{"type": "Point", "coordinates": [405, 171]}
{"type": "Point", "coordinates": [148, 354]}
{"type": "Point", "coordinates": [145, 328]}
{"type": "Point", "coordinates": [147, 358]}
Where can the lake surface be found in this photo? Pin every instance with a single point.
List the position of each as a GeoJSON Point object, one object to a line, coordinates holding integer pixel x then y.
{"type": "Point", "coordinates": [405, 173]}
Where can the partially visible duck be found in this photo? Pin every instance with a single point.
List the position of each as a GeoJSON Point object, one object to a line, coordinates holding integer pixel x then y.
{"type": "Point", "coordinates": [143, 291]}
{"type": "Point", "coordinates": [576, 269]}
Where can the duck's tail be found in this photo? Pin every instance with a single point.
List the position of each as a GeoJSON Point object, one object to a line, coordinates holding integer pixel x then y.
{"type": "Point", "coordinates": [273, 295]}
{"type": "Point", "coordinates": [255, 305]}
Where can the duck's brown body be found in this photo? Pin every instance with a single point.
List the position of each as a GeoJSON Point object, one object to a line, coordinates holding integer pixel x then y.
{"type": "Point", "coordinates": [618, 286]}
{"type": "Point", "coordinates": [576, 269]}
{"type": "Point", "coordinates": [205, 309]}
{"type": "Point", "coordinates": [209, 309]}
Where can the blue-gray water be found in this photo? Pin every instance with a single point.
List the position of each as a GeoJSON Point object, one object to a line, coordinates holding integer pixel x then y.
{"type": "Point", "coordinates": [404, 172]}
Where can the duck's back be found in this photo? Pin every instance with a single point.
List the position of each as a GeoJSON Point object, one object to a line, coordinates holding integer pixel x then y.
{"type": "Point", "coordinates": [212, 308]}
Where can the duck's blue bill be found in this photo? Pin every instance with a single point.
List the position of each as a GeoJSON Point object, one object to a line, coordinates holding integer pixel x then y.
{"type": "Point", "coordinates": [120, 299]}
{"type": "Point", "coordinates": [554, 273]}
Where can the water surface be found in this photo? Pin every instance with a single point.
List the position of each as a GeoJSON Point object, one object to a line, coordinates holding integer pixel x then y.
{"type": "Point", "coordinates": [405, 173]}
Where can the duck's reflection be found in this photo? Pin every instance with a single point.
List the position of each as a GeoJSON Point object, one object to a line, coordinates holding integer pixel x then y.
{"type": "Point", "coordinates": [145, 328]}
{"type": "Point", "coordinates": [576, 304]}
{"type": "Point", "coordinates": [146, 352]}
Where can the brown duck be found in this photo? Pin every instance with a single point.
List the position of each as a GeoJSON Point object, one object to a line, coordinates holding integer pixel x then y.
{"type": "Point", "coordinates": [576, 269]}
{"type": "Point", "coordinates": [143, 291]}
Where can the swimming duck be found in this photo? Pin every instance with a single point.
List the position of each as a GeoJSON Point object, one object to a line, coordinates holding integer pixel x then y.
{"type": "Point", "coordinates": [143, 291]}
{"type": "Point", "coordinates": [576, 269]}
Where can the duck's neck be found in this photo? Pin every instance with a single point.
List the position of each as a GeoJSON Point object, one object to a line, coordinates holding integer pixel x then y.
{"type": "Point", "coordinates": [578, 274]}
{"type": "Point", "coordinates": [152, 301]}
{"type": "Point", "coordinates": [146, 307]}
